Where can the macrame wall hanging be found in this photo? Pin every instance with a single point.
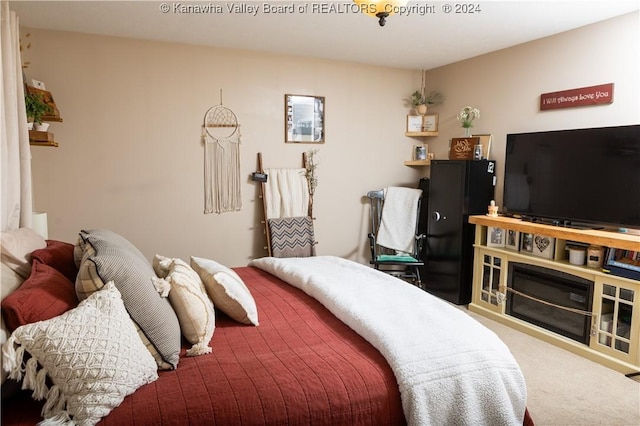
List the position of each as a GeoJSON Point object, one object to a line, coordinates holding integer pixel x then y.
{"type": "Point", "coordinates": [221, 136]}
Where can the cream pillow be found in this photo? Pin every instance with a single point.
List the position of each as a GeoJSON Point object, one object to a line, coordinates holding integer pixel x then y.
{"type": "Point", "coordinates": [16, 248]}
{"type": "Point", "coordinates": [10, 281]}
{"type": "Point", "coordinates": [92, 354]}
{"type": "Point", "coordinates": [227, 290]}
{"type": "Point", "coordinates": [190, 302]}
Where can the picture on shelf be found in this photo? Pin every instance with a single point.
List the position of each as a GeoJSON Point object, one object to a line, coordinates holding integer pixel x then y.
{"type": "Point", "coordinates": [462, 148]}
{"type": "Point", "coordinates": [430, 123]}
{"type": "Point", "coordinates": [526, 245]}
{"type": "Point", "coordinates": [543, 246]}
{"type": "Point", "coordinates": [420, 152]}
{"type": "Point", "coordinates": [513, 240]}
{"type": "Point", "coordinates": [414, 123]}
{"type": "Point", "coordinates": [495, 237]}
{"type": "Point", "coordinates": [485, 141]}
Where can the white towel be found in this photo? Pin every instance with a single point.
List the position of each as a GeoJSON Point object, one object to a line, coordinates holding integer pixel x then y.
{"type": "Point", "coordinates": [399, 214]}
{"type": "Point", "coordinates": [286, 193]}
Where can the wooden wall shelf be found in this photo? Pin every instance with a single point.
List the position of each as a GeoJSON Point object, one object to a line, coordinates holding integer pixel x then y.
{"type": "Point", "coordinates": [43, 143]}
{"type": "Point", "coordinates": [420, 134]}
{"type": "Point", "coordinates": [417, 163]}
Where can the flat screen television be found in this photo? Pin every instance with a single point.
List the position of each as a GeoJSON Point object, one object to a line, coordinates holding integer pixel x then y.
{"type": "Point", "coordinates": [575, 177]}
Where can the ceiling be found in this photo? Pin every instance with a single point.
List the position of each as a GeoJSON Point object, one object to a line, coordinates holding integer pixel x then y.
{"type": "Point", "coordinates": [424, 39]}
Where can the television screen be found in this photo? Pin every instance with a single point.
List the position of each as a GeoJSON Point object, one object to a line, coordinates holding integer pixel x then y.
{"type": "Point", "coordinates": [575, 176]}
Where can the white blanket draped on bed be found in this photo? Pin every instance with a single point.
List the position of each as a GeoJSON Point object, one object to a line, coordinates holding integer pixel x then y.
{"type": "Point", "coordinates": [451, 370]}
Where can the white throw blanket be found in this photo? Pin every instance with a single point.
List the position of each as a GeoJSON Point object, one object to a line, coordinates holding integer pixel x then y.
{"type": "Point", "coordinates": [399, 217]}
{"type": "Point", "coordinates": [451, 370]}
{"type": "Point", "coordinates": [286, 193]}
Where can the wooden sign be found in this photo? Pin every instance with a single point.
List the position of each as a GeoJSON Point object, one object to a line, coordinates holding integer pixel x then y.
{"type": "Point", "coordinates": [584, 96]}
{"type": "Point", "coordinates": [462, 148]}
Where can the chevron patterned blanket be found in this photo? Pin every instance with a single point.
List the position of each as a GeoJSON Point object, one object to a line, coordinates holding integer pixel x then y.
{"type": "Point", "coordinates": [292, 237]}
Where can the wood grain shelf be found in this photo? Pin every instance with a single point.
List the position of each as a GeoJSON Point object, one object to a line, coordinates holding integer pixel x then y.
{"type": "Point", "coordinates": [420, 134]}
{"type": "Point", "coordinates": [599, 237]}
{"type": "Point", "coordinates": [417, 163]}
{"type": "Point", "coordinates": [43, 143]}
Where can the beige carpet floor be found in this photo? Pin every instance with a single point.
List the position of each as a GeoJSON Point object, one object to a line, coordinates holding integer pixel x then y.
{"type": "Point", "coordinates": [565, 389]}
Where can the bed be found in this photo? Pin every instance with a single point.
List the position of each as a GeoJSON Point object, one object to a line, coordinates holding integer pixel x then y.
{"type": "Point", "coordinates": [312, 359]}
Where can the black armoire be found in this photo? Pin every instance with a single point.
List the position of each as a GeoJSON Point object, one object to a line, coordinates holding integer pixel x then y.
{"type": "Point", "coordinates": [457, 189]}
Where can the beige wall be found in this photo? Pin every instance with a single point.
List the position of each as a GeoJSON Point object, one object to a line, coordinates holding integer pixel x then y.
{"type": "Point", "coordinates": [506, 85]}
{"type": "Point", "coordinates": [130, 157]}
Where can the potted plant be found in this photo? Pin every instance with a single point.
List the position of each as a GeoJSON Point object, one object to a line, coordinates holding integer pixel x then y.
{"type": "Point", "coordinates": [420, 100]}
{"type": "Point", "coordinates": [36, 108]}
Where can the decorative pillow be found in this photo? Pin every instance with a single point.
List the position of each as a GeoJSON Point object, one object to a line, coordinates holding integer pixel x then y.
{"type": "Point", "coordinates": [227, 290]}
{"type": "Point", "coordinates": [191, 303]}
{"type": "Point", "coordinates": [10, 281]}
{"type": "Point", "coordinates": [58, 255]}
{"type": "Point", "coordinates": [44, 295]}
{"type": "Point", "coordinates": [16, 248]}
{"type": "Point", "coordinates": [110, 257]}
{"type": "Point", "coordinates": [92, 354]}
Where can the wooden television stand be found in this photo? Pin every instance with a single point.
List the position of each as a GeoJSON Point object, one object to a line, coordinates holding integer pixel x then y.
{"type": "Point", "coordinates": [613, 321]}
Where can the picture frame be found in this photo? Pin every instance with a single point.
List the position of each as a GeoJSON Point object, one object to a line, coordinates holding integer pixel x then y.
{"type": "Point", "coordinates": [304, 120]}
{"type": "Point", "coordinates": [462, 148]}
{"type": "Point", "coordinates": [414, 123]}
{"type": "Point", "coordinates": [420, 152]}
{"type": "Point", "coordinates": [543, 246]}
{"type": "Point", "coordinates": [430, 122]}
{"type": "Point", "coordinates": [526, 242]}
{"type": "Point", "coordinates": [495, 237]}
{"type": "Point", "coordinates": [512, 240]}
{"type": "Point", "coordinates": [485, 141]}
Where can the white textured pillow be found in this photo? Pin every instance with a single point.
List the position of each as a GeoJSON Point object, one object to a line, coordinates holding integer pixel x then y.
{"type": "Point", "coordinates": [92, 354]}
{"type": "Point", "coordinates": [227, 290]}
{"type": "Point", "coordinates": [190, 302]}
{"type": "Point", "coordinates": [16, 248]}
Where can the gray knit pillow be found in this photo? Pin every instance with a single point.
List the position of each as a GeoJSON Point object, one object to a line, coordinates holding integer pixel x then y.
{"type": "Point", "coordinates": [110, 257]}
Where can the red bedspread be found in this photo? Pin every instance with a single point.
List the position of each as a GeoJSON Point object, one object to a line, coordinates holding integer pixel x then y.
{"type": "Point", "coordinates": [301, 365]}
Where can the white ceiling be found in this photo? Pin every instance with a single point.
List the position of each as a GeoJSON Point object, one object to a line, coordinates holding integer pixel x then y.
{"type": "Point", "coordinates": [412, 41]}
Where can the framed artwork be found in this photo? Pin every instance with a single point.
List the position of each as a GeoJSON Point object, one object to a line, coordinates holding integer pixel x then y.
{"type": "Point", "coordinates": [420, 152]}
{"type": "Point", "coordinates": [304, 119]}
{"type": "Point", "coordinates": [414, 123]}
{"type": "Point", "coordinates": [462, 148]}
{"type": "Point", "coordinates": [430, 123]}
{"type": "Point", "coordinates": [543, 246]}
{"type": "Point", "coordinates": [526, 243]}
{"type": "Point", "coordinates": [495, 237]}
{"type": "Point", "coordinates": [512, 241]}
{"type": "Point", "coordinates": [485, 141]}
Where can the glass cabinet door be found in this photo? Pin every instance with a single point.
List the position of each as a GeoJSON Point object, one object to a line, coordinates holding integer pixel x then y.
{"type": "Point", "coordinates": [615, 324]}
{"type": "Point", "coordinates": [491, 276]}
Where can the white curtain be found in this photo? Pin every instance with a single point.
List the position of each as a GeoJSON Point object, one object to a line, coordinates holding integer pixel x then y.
{"type": "Point", "coordinates": [15, 153]}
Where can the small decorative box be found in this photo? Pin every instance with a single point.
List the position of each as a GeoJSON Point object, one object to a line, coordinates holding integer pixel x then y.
{"type": "Point", "coordinates": [495, 237]}
{"type": "Point", "coordinates": [543, 246]}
